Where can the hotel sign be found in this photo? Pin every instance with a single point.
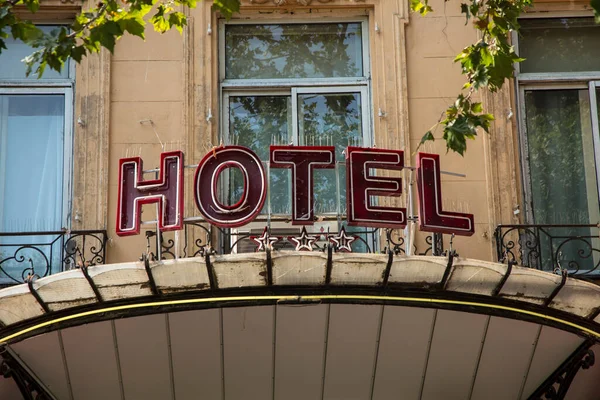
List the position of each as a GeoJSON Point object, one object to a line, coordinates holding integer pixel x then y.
{"type": "Point", "coordinates": [362, 185]}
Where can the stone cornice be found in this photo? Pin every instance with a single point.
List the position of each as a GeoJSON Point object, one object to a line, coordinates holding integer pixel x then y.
{"type": "Point", "coordinates": [297, 2]}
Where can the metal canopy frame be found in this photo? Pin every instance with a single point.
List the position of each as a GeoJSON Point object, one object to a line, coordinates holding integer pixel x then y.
{"type": "Point", "coordinates": [557, 385]}
{"type": "Point", "coordinates": [29, 385]}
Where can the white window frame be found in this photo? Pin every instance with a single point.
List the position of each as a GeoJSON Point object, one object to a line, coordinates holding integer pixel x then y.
{"type": "Point", "coordinates": [366, 131]}
{"type": "Point", "coordinates": [63, 87]}
{"type": "Point", "coordinates": [551, 81]}
{"type": "Point", "coordinates": [256, 83]}
{"type": "Point", "coordinates": [275, 87]}
{"type": "Point", "coordinates": [293, 87]}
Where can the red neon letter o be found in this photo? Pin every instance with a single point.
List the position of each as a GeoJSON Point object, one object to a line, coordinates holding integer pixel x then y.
{"type": "Point", "coordinates": [255, 187]}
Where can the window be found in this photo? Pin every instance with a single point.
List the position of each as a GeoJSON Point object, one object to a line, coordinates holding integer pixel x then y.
{"type": "Point", "coordinates": [559, 89]}
{"type": "Point", "coordinates": [35, 148]}
{"type": "Point", "coordinates": [295, 83]}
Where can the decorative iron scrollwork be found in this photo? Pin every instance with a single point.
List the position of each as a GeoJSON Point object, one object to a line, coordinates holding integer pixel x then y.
{"type": "Point", "coordinates": [395, 242]}
{"type": "Point", "coordinates": [198, 240]}
{"type": "Point", "coordinates": [84, 248]}
{"type": "Point", "coordinates": [557, 385]}
{"type": "Point", "coordinates": [550, 247]}
{"type": "Point", "coordinates": [30, 389]}
{"type": "Point", "coordinates": [27, 255]}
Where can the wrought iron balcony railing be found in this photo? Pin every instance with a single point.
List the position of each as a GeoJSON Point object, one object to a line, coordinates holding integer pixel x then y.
{"type": "Point", "coordinates": [29, 255]}
{"type": "Point", "coordinates": [26, 255]}
{"type": "Point", "coordinates": [575, 248]}
{"type": "Point", "coordinates": [198, 239]}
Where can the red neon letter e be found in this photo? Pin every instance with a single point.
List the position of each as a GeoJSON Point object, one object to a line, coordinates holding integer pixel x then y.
{"type": "Point", "coordinates": [302, 160]}
{"type": "Point", "coordinates": [255, 186]}
{"type": "Point", "coordinates": [432, 218]}
{"type": "Point", "coordinates": [361, 185]}
{"type": "Point", "coordinates": [166, 191]}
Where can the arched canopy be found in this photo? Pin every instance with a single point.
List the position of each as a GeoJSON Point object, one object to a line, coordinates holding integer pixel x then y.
{"type": "Point", "coordinates": [289, 325]}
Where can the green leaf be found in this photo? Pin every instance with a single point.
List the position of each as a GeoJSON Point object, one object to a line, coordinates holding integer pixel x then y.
{"type": "Point", "coordinates": [596, 7]}
{"type": "Point", "coordinates": [133, 24]}
{"type": "Point", "coordinates": [161, 24]}
{"type": "Point", "coordinates": [486, 57]}
{"type": "Point", "coordinates": [476, 107]}
{"type": "Point", "coordinates": [77, 53]}
{"type": "Point", "coordinates": [188, 3]}
{"type": "Point", "coordinates": [465, 10]}
{"type": "Point", "coordinates": [427, 136]}
{"type": "Point", "coordinates": [226, 7]}
{"type": "Point", "coordinates": [178, 20]}
{"type": "Point", "coordinates": [32, 5]}
{"type": "Point", "coordinates": [105, 35]}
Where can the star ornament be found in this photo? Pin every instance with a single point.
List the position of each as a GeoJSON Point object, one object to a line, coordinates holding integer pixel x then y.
{"type": "Point", "coordinates": [304, 241]}
{"type": "Point", "coordinates": [265, 241]}
{"type": "Point", "coordinates": [343, 242]}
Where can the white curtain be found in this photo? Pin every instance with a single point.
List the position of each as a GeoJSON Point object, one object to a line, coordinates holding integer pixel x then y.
{"type": "Point", "coordinates": [32, 137]}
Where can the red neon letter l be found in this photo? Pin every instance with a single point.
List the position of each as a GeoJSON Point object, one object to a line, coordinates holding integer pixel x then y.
{"type": "Point", "coordinates": [432, 218]}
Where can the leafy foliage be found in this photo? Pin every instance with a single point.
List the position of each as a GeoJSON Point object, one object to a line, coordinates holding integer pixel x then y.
{"type": "Point", "coordinates": [486, 64]}
{"type": "Point", "coordinates": [95, 28]}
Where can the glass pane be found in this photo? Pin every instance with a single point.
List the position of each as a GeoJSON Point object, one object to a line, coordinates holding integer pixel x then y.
{"type": "Point", "coordinates": [293, 51]}
{"type": "Point", "coordinates": [257, 122]}
{"type": "Point", "coordinates": [32, 130]}
{"type": "Point", "coordinates": [326, 120]}
{"type": "Point", "coordinates": [13, 68]}
{"type": "Point", "coordinates": [560, 45]}
{"type": "Point", "coordinates": [562, 169]}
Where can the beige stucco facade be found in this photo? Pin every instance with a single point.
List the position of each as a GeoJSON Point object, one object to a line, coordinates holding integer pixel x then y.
{"type": "Point", "coordinates": [162, 94]}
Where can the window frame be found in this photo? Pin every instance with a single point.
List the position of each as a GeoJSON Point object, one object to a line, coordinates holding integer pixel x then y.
{"type": "Point", "coordinates": [296, 81]}
{"type": "Point", "coordinates": [65, 87]}
{"type": "Point", "coordinates": [254, 86]}
{"type": "Point", "coordinates": [293, 87]}
{"type": "Point", "coordinates": [551, 81]}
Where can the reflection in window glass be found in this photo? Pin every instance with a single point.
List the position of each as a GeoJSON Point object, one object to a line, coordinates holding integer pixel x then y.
{"type": "Point", "coordinates": [330, 120]}
{"type": "Point", "coordinates": [257, 122]}
{"type": "Point", "coordinates": [14, 68]}
{"type": "Point", "coordinates": [552, 45]}
{"type": "Point", "coordinates": [293, 51]}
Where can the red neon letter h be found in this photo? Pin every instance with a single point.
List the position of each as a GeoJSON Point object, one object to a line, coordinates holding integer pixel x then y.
{"type": "Point", "coordinates": [166, 191]}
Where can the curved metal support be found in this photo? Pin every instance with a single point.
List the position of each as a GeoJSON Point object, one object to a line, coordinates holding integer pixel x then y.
{"type": "Point", "coordinates": [446, 276]}
{"type": "Point", "coordinates": [498, 288]}
{"type": "Point", "coordinates": [35, 294]}
{"type": "Point", "coordinates": [269, 267]}
{"type": "Point", "coordinates": [556, 386]}
{"type": "Point", "coordinates": [557, 289]}
{"type": "Point", "coordinates": [594, 314]}
{"type": "Point", "coordinates": [153, 287]}
{"type": "Point", "coordinates": [329, 266]}
{"type": "Point", "coordinates": [88, 278]}
{"type": "Point", "coordinates": [388, 268]}
{"type": "Point", "coordinates": [211, 273]}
